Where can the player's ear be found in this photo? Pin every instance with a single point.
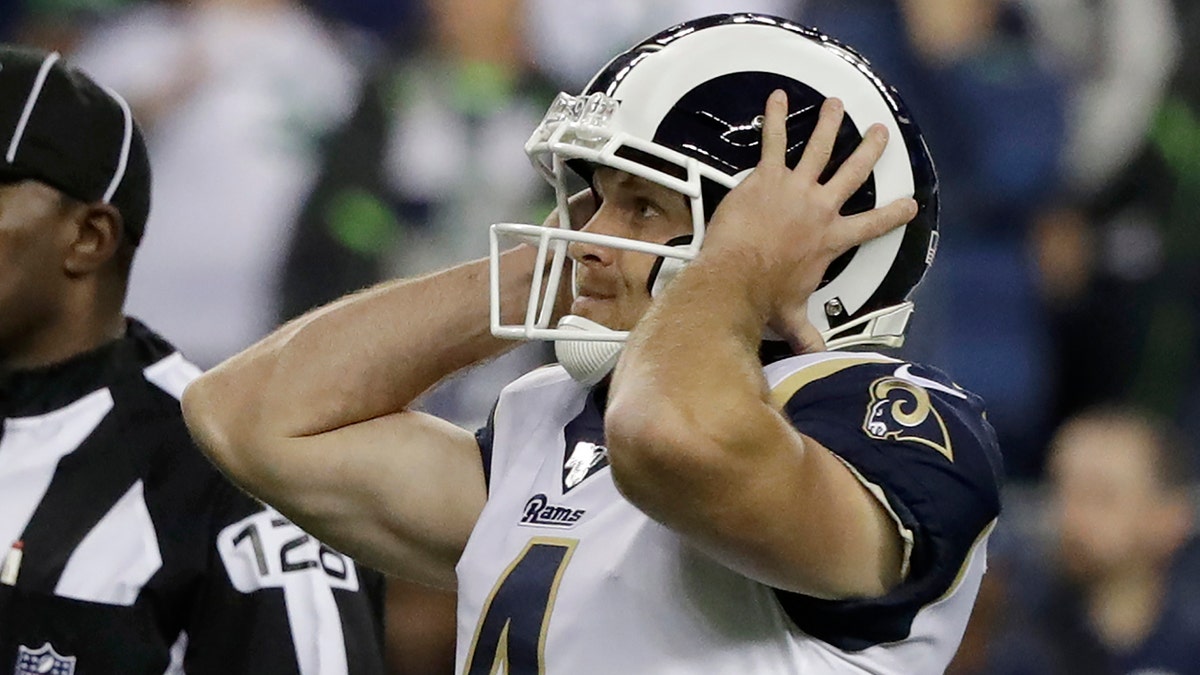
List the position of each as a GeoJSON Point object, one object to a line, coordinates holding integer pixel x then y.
{"type": "Point", "coordinates": [96, 231]}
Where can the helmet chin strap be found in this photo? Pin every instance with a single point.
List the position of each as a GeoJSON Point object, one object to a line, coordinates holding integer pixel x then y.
{"type": "Point", "coordinates": [587, 361]}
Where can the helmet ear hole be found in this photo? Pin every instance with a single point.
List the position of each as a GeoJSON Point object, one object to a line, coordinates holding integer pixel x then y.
{"type": "Point", "coordinates": [711, 194]}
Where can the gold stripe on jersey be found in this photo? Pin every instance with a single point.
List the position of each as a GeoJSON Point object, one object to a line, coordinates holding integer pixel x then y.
{"type": "Point", "coordinates": [788, 386]}
{"type": "Point", "coordinates": [962, 569]}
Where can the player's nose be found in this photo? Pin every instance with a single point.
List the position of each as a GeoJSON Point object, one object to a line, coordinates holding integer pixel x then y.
{"type": "Point", "coordinates": [590, 252]}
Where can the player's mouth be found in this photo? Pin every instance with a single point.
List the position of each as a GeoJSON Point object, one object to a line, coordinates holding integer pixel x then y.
{"type": "Point", "coordinates": [590, 299]}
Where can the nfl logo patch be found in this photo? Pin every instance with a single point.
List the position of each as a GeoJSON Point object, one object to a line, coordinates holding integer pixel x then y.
{"type": "Point", "coordinates": [43, 661]}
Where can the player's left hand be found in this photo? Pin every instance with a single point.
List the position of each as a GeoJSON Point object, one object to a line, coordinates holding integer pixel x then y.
{"type": "Point", "coordinates": [784, 225]}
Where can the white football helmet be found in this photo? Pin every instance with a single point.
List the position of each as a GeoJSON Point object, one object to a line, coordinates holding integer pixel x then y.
{"type": "Point", "coordinates": [682, 109]}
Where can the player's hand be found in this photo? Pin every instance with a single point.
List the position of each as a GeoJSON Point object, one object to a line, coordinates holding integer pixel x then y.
{"type": "Point", "coordinates": [582, 206]}
{"type": "Point", "coordinates": [786, 224]}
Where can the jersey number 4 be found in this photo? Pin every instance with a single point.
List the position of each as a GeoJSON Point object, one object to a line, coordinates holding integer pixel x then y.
{"type": "Point", "coordinates": [511, 635]}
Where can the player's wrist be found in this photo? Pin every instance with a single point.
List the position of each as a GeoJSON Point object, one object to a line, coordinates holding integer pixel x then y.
{"type": "Point", "coordinates": [729, 280]}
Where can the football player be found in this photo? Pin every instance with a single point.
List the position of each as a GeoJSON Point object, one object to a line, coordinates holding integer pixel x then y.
{"type": "Point", "coordinates": [741, 494]}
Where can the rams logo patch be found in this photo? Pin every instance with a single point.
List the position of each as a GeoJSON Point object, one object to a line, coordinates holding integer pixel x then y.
{"type": "Point", "coordinates": [902, 411]}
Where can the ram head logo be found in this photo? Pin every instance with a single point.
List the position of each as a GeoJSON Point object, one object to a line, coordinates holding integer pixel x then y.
{"type": "Point", "coordinates": [901, 410]}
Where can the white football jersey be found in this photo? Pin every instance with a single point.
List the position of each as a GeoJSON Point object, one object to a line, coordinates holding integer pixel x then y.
{"type": "Point", "coordinates": [563, 575]}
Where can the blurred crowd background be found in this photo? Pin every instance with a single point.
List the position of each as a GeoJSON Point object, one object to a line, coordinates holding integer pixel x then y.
{"type": "Point", "coordinates": [306, 148]}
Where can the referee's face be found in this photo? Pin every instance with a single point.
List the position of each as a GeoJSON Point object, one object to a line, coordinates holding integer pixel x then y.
{"type": "Point", "coordinates": [35, 234]}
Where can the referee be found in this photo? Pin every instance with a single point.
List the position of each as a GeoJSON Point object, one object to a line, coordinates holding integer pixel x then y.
{"type": "Point", "coordinates": [121, 549]}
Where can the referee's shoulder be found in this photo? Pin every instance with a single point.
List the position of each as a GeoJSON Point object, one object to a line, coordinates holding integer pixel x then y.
{"type": "Point", "coordinates": [157, 362]}
{"type": "Point", "coordinates": [154, 381]}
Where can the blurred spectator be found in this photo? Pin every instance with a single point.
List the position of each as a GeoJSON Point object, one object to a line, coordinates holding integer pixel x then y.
{"type": "Point", "coordinates": [1125, 244]}
{"type": "Point", "coordinates": [60, 24]}
{"type": "Point", "coordinates": [992, 113]}
{"type": "Point", "coordinates": [385, 19]}
{"type": "Point", "coordinates": [1097, 253]}
{"type": "Point", "coordinates": [234, 94]}
{"type": "Point", "coordinates": [569, 41]}
{"type": "Point", "coordinates": [1119, 55]}
{"type": "Point", "coordinates": [432, 155]}
{"type": "Point", "coordinates": [1120, 596]}
{"type": "Point", "coordinates": [54, 25]}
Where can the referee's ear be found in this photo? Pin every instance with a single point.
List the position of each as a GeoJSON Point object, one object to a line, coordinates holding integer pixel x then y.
{"type": "Point", "coordinates": [96, 234]}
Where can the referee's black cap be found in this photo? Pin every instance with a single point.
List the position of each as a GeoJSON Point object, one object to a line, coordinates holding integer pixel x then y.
{"type": "Point", "coordinates": [60, 127]}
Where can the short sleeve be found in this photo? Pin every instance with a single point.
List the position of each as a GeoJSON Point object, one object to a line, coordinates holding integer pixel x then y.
{"type": "Point", "coordinates": [920, 444]}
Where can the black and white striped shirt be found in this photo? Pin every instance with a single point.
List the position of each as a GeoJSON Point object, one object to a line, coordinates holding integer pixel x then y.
{"type": "Point", "coordinates": [137, 556]}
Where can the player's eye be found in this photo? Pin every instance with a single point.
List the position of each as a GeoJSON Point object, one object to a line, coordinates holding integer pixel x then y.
{"type": "Point", "coordinates": [647, 209]}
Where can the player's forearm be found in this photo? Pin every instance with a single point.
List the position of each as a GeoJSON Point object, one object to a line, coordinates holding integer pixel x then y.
{"type": "Point", "coordinates": [694, 356]}
{"type": "Point", "coordinates": [361, 357]}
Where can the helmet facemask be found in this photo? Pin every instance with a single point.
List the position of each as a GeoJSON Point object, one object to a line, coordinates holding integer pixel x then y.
{"type": "Point", "coordinates": [578, 129]}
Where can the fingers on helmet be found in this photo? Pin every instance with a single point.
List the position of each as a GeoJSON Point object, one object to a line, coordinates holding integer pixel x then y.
{"type": "Point", "coordinates": [820, 144]}
{"type": "Point", "coordinates": [774, 133]}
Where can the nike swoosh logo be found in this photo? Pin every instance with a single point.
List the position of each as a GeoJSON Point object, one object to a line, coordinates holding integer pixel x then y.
{"type": "Point", "coordinates": [902, 373]}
